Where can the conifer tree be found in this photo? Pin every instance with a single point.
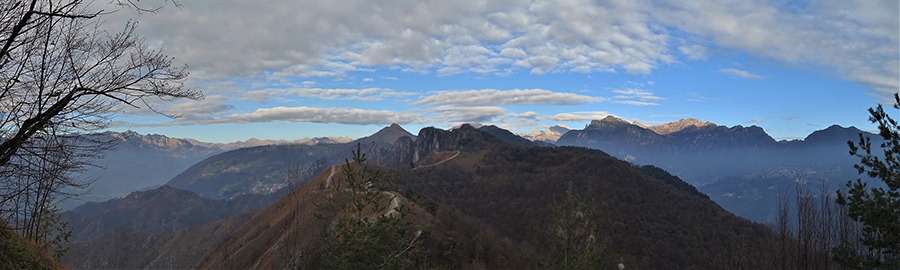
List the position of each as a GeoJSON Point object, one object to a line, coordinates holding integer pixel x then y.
{"type": "Point", "coordinates": [877, 209]}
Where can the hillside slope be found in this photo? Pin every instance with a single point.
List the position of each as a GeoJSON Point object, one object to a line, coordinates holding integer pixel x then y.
{"type": "Point", "coordinates": [287, 234]}
{"type": "Point", "coordinates": [16, 252]}
{"type": "Point", "coordinates": [164, 209]}
{"type": "Point", "coordinates": [648, 222]}
{"type": "Point", "coordinates": [129, 248]}
{"type": "Point", "coordinates": [507, 193]}
{"type": "Point", "coordinates": [266, 169]}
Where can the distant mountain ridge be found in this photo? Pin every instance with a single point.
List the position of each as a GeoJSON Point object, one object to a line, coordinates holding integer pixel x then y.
{"type": "Point", "coordinates": [163, 209]}
{"type": "Point", "coordinates": [138, 162]}
{"type": "Point", "coordinates": [733, 165]}
{"type": "Point", "coordinates": [266, 169]}
{"type": "Point", "coordinates": [144, 161]}
{"type": "Point", "coordinates": [677, 126]}
{"type": "Point", "coordinates": [550, 135]}
{"type": "Point", "coordinates": [253, 142]}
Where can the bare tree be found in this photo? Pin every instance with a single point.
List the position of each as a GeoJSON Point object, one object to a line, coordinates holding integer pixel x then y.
{"type": "Point", "coordinates": [62, 77]}
{"type": "Point", "coordinates": [783, 229]}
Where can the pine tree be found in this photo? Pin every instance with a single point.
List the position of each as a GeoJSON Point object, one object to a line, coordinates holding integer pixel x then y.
{"type": "Point", "coordinates": [877, 209]}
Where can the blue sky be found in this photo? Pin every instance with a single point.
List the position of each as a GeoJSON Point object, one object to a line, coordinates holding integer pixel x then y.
{"type": "Point", "coordinates": [294, 69]}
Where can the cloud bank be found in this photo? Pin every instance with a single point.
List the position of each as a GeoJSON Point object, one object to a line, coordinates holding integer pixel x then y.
{"type": "Point", "coordinates": [855, 38]}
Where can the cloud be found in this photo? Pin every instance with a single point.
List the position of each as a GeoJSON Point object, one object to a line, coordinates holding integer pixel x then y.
{"type": "Point", "coordinates": [753, 121]}
{"type": "Point", "coordinates": [697, 97]}
{"type": "Point", "coordinates": [635, 103]}
{"type": "Point", "coordinates": [694, 52]}
{"type": "Point", "coordinates": [789, 118]}
{"type": "Point", "coordinates": [578, 116]}
{"type": "Point", "coordinates": [635, 93]}
{"type": "Point", "coordinates": [464, 114]}
{"type": "Point", "coordinates": [741, 73]}
{"type": "Point", "coordinates": [307, 114]}
{"type": "Point", "coordinates": [313, 38]}
{"type": "Point", "coordinates": [366, 94]}
{"type": "Point", "coordinates": [211, 105]}
{"type": "Point", "coordinates": [855, 38]}
{"type": "Point", "coordinates": [368, 80]}
{"type": "Point", "coordinates": [504, 97]}
{"type": "Point", "coordinates": [635, 97]}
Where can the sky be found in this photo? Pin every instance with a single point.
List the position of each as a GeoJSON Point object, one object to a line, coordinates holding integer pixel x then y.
{"type": "Point", "coordinates": [291, 69]}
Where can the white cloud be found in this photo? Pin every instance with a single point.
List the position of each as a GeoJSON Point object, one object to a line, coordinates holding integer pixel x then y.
{"type": "Point", "coordinates": [504, 97]}
{"type": "Point", "coordinates": [741, 73]}
{"type": "Point", "coordinates": [578, 116]}
{"type": "Point", "coordinates": [465, 114]}
{"type": "Point", "coordinates": [753, 121]}
{"type": "Point", "coordinates": [635, 93]}
{"type": "Point", "coordinates": [635, 97]}
{"type": "Point", "coordinates": [315, 115]}
{"type": "Point", "coordinates": [635, 103]}
{"type": "Point", "coordinates": [694, 52]}
{"type": "Point", "coordinates": [313, 38]}
{"type": "Point", "coordinates": [367, 94]}
{"type": "Point", "coordinates": [368, 80]}
{"type": "Point", "coordinates": [855, 38]}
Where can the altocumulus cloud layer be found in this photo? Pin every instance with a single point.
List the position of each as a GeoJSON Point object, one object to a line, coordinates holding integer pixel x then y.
{"type": "Point", "coordinates": [280, 39]}
{"type": "Point", "coordinates": [318, 38]}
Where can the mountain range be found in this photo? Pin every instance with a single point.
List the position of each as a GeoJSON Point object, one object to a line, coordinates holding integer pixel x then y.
{"type": "Point", "coordinates": [505, 191]}
{"type": "Point", "coordinates": [741, 168]}
{"type": "Point", "coordinates": [501, 186]}
{"type": "Point", "coordinates": [141, 162]}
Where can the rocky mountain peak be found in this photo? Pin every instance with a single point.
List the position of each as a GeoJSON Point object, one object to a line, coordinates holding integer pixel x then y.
{"type": "Point", "coordinates": [678, 126]}
{"type": "Point", "coordinates": [550, 135]}
{"type": "Point", "coordinates": [607, 122]}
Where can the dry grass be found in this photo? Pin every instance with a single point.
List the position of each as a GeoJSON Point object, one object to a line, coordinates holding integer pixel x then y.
{"type": "Point", "coordinates": [16, 252]}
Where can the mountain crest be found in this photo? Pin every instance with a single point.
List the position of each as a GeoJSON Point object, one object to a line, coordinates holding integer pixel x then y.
{"type": "Point", "coordinates": [607, 122]}
{"type": "Point", "coordinates": [549, 135]}
{"type": "Point", "coordinates": [389, 134]}
{"type": "Point", "coordinates": [678, 126]}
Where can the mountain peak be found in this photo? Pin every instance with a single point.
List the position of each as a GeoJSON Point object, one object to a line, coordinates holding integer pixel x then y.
{"type": "Point", "coordinates": [473, 125]}
{"type": "Point", "coordinates": [388, 134]}
{"type": "Point", "coordinates": [833, 134]}
{"type": "Point", "coordinates": [613, 119]}
{"type": "Point", "coordinates": [550, 135]}
{"type": "Point", "coordinates": [679, 125]}
{"type": "Point", "coordinates": [608, 121]}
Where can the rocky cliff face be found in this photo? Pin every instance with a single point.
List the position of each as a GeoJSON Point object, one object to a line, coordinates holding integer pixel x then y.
{"type": "Point", "coordinates": [549, 135]}
{"type": "Point", "coordinates": [704, 138]}
{"type": "Point", "coordinates": [432, 140]}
